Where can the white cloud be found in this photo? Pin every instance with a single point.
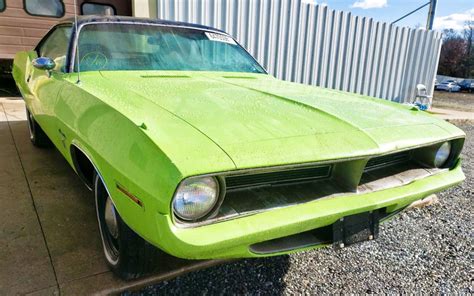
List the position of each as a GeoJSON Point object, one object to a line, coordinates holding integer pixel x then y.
{"type": "Point", "coordinates": [367, 4]}
{"type": "Point", "coordinates": [316, 2]}
{"type": "Point", "coordinates": [453, 21]}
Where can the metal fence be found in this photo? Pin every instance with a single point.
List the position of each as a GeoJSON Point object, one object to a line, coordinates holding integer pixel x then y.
{"type": "Point", "coordinates": [299, 41]}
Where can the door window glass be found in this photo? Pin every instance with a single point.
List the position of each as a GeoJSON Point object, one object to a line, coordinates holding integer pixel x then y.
{"type": "Point", "coordinates": [97, 9]}
{"type": "Point", "coordinates": [51, 8]}
{"type": "Point", "coordinates": [56, 47]}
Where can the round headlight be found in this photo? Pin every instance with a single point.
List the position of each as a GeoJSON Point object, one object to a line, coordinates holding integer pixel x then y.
{"type": "Point", "coordinates": [442, 154]}
{"type": "Point", "coordinates": [195, 197]}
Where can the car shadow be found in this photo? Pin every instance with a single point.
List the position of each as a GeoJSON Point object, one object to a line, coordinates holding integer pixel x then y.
{"type": "Point", "coordinates": [262, 276]}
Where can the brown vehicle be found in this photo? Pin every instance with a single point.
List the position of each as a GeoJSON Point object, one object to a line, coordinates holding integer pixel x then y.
{"type": "Point", "coordinates": [24, 22]}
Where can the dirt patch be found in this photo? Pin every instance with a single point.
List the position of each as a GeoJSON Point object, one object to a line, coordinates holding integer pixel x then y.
{"type": "Point", "coordinates": [456, 101]}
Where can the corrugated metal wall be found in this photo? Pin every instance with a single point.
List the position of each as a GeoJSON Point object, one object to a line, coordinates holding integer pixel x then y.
{"type": "Point", "coordinates": [311, 44]}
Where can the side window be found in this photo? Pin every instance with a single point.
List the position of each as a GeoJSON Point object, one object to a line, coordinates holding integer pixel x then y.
{"type": "Point", "coordinates": [2, 5]}
{"type": "Point", "coordinates": [50, 8]}
{"type": "Point", "coordinates": [97, 9]}
{"type": "Point", "coordinates": [56, 46]}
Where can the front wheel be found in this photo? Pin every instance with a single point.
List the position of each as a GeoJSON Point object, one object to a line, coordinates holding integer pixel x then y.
{"type": "Point", "coordinates": [37, 136]}
{"type": "Point", "coordinates": [127, 254]}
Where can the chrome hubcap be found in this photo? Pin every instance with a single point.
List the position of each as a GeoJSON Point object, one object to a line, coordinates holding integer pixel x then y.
{"type": "Point", "coordinates": [111, 218]}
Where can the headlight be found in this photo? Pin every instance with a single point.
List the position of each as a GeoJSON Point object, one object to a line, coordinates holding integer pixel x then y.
{"type": "Point", "coordinates": [434, 156]}
{"type": "Point", "coordinates": [442, 154]}
{"type": "Point", "coordinates": [195, 197]}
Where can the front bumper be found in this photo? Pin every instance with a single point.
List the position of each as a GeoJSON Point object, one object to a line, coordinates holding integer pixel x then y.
{"type": "Point", "coordinates": [231, 239]}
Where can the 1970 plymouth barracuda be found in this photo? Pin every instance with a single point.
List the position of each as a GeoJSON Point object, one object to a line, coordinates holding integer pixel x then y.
{"type": "Point", "coordinates": [192, 149]}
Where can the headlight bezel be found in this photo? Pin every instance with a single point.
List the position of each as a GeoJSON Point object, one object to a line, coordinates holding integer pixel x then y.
{"type": "Point", "coordinates": [213, 210]}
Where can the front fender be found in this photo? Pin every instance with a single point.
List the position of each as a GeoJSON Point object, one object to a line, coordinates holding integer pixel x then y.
{"type": "Point", "coordinates": [122, 154]}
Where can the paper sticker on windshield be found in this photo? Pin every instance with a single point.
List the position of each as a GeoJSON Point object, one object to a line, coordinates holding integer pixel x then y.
{"type": "Point", "coordinates": [220, 38]}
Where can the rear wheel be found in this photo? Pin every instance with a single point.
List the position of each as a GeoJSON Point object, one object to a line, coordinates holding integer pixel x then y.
{"type": "Point", "coordinates": [37, 136]}
{"type": "Point", "coordinates": [127, 254]}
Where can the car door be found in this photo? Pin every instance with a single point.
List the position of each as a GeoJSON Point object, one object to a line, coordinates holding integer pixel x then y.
{"type": "Point", "coordinates": [45, 85]}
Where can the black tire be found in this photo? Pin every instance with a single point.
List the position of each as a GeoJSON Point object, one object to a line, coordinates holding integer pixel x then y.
{"type": "Point", "coordinates": [37, 136]}
{"type": "Point", "coordinates": [128, 255]}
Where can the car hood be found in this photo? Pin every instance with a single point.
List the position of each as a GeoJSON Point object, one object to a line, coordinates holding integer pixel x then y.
{"type": "Point", "coordinates": [260, 121]}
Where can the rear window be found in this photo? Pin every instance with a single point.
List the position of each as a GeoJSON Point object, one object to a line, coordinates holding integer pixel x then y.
{"type": "Point", "coordinates": [2, 5]}
{"type": "Point", "coordinates": [49, 8]}
{"type": "Point", "coordinates": [97, 9]}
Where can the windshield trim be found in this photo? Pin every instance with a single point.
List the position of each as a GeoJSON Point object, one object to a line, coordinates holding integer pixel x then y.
{"type": "Point", "coordinates": [76, 37]}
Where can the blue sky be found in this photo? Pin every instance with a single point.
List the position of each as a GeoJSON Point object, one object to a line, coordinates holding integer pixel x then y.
{"type": "Point", "coordinates": [449, 13]}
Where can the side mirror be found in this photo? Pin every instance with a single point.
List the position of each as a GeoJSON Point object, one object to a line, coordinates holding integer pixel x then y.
{"type": "Point", "coordinates": [44, 63]}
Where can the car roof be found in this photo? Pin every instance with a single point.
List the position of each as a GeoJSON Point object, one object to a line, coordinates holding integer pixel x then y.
{"type": "Point", "coordinates": [90, 19]}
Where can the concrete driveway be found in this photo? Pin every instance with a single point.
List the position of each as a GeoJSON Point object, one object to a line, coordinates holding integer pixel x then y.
{"type": "Point", "coordinates": [49, 235]}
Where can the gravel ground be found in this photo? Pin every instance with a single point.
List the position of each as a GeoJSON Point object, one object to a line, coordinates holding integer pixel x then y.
{"type": "Point", "coordinates": [427, 250]}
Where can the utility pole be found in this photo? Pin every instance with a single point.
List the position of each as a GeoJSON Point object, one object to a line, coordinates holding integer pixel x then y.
{"type": "Point", "coordinates": [431, 15]}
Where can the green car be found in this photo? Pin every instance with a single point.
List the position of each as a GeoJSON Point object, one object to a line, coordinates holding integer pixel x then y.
{"type": "Point", "coordinates": [193, 150]}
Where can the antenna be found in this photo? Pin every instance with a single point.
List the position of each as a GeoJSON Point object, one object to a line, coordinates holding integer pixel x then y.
{"type": "Point", "coordinates": [77, 44]}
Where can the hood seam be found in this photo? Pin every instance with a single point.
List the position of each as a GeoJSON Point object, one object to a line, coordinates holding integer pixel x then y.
{"type": "Point", "coordinates": [303, 105]}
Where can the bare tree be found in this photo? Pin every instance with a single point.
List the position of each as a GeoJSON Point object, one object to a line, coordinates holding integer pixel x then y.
{"type": "Point", "coordinates": [469, 37]}
{"type": "Point", "coordinates": [457, 52]}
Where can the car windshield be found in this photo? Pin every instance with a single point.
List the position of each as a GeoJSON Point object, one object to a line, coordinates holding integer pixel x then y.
{"type": "Point", "coordinates": [154, 47]}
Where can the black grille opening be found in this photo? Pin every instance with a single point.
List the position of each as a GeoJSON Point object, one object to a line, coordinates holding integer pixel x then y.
{"type": "Point", "coordinates": [278, 177]}
{"type": "Point", "coordinates": [387, 160]}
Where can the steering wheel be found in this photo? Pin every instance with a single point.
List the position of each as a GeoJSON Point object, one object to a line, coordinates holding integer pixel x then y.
{"type": "Point", "coordinates": [93, 56]}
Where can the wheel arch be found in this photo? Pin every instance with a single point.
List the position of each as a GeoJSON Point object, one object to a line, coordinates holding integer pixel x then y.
{"type": "Point", "coordinates": [78, 154]}
{"type": "Point", "coordinates": [85, 166]}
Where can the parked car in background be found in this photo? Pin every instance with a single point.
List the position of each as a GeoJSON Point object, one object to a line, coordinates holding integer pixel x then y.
{"type": "Point", "coordinates": [467, 85]}
{"type": "Point", "coordinates": [437, 84]}
{"type": "Point", "coordinates": [449, 85]}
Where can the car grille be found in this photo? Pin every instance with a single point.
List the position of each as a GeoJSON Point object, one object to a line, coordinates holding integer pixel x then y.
{"type": "Point", "coordinates": [278, 177]}
{"type": "Point", "coordinates": [261, 190]}
{"type": "Point", "coordinates": [387, 160]}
